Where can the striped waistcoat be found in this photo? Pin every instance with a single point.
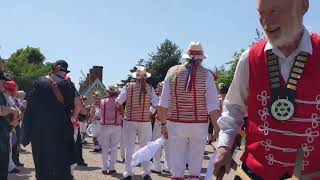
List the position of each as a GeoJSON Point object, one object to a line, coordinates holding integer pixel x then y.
{"type": "Point", "coordinates": [188, 107]}
{"type": "Point", "coordinates": [136, 110]}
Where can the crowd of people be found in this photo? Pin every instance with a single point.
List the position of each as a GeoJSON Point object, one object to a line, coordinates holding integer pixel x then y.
{"type": "Point", "coordinates": [274, 95]}
{"type": "Point", "coordinates": [13, 105]}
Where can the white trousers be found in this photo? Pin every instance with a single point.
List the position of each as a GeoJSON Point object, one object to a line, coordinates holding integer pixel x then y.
{"type": "Point", "coordinates": [96, 128]}
{"type": "Point", "coordinates": [11, 165]}
{"type": "Point", "coordinates": [109, 138]}
{"type": "Point", "coordinates": [157, 157]}
{"type": "Point", "coordinates": [122, 148]}
{"type": "Point", "coordinates": [144, 132]}
{"type": "Point", "coordinates": [187, 143]}
{"type": "Point", "coordinates": [83, 127]}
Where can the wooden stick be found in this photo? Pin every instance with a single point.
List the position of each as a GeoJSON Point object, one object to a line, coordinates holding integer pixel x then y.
{"type": "Point", "coordinates": [298, 167]}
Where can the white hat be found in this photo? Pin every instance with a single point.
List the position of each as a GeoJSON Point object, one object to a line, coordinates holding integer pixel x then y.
{"type": "Point", "coordinates": [113, 88]}
{"type": "Point", "coordinates": [195, 51]}
{"type": "Point", "coordinates": [140, 71]}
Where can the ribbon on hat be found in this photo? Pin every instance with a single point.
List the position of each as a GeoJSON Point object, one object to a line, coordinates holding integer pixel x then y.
{"type": "Point", "coordinates": [142, 88]}
{"type": "Point", "coordinates": [191, 74]}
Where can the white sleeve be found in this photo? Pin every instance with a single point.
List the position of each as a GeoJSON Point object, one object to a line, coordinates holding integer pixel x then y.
{"type": "Point", "coordinates": [211, 95]}
{"type": "Point", "coordinates": [166, 90]}
{"type": "Point", "coordinates": [235, 103]}
{"type": "Point", "coordinates": [122, 96]}
{"type": "Point", "coordinates": [154, 98]}
{"type": "Point", "coordinates": [10, 101]}
{"type": "Point", "coordinates": [98, 113]}
{"type": "Point", "coordinates": [153, 110]}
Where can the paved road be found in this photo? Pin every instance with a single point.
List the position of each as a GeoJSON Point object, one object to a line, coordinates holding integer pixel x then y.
{"type": "Point", "coordinates": [93, 171]}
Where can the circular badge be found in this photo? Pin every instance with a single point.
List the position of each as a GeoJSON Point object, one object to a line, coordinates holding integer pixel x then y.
{"type": "Point", "coordinates": [282, 109]}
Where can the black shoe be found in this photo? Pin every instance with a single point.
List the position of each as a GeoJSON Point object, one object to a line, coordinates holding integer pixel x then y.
{"type": "Point", "coordinates": [21, 150]}
{"type": "Point", "coordinates": [147, 177]}
{"type": "Point", "coordinates": [95, 150]}
{"type": "Point", "coordinates": [166, 171]}
{"type": "Point", "coordinates": [156, 172]}
{"type": "Point", "coordinates": [127, 178]}
{"type": "Point", "coordinates": [112, 172]}
{"type": "Point", "coordinates": [82, 164]}
{"type": "Point", "coordinates": [15, 171]}
{"type": "Point", "coordinates": [123, 159]}
{"type": "Point", "coordinates": [19, 164]}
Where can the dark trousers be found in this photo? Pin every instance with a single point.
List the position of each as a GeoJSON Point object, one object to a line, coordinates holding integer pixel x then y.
{"type": "Point", "coordinates": [253, 176]}
{"type": "Point", "coordinates": [15, 147]}
{"type": "Point", "coordinates": [210, 128]}
{"type": "Point", "coordinates": [52, 160]}
{"type": "Point", "coordinates": [78, 149]}
{"type": "Point", "coordinates": [4, 153]}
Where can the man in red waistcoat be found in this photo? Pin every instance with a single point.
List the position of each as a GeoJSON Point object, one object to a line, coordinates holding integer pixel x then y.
{"type": "Point", "coordinates": [189, 94]}
{"type": "Point", "coordinates": [139, 96]}
{"type": "Point", "coordinates": [277, 84]}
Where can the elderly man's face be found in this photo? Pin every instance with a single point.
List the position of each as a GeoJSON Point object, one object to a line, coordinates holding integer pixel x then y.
{"type": "Point", "coordinates": [281, 20]}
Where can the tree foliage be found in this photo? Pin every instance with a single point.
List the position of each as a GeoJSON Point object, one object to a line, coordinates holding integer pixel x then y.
{"type": "Point", "coordinates": [25, 65]}
{"type": "Point", "coordinates": [226, 76]}
{"type": "Point", "coordinates": [167, 55]}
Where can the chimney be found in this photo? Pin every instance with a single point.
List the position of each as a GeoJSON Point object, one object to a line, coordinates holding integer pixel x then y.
{"type": "Point", "coordinates": [97, 72]}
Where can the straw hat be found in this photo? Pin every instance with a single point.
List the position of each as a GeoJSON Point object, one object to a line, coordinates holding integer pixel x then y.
{"type": "Point", "coordinates": [141, 73]}
{"type": "Point", "coordinates": [195, 51]}
{"type": "Point", "coordinates": [113, 89]}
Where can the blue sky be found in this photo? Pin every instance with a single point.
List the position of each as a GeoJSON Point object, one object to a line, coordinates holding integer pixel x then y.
{"type": "Point", "coordinates": [115, 34]}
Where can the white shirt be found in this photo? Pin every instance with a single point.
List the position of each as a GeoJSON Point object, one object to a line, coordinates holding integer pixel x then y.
{"type": "Point", "coordinates": [235, 103]}
{"type": "Point", "coordinates": [123, 97]}
{"type": "Point", "coordinates": [211, 94]}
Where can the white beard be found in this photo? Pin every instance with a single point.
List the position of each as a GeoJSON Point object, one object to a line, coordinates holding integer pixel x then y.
{"type": "Point", "coordinates": [288, 35]}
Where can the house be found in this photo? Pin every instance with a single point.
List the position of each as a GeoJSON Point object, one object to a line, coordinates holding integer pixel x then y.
{"type": "Point", "coordinates": [93, 83]}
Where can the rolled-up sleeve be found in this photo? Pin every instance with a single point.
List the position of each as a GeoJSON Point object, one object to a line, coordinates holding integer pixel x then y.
{"type": "Point", "coordinates": [154, 98]}
{"type": "Point", "coordinates": [166, 91]}
{"type": "Point", "coordinates": [235, 103]}
{"type": "Point", "coordinates": [122, 96]}
{"type": "Point", "coordinates": [211, 94]}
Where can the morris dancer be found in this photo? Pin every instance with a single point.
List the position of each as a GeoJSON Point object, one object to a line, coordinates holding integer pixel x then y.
{"type": "Point", "coordinates": [138, 95]}
{"type": "Point", "coordinates": [189, 94]}
{"type": "Point", "coordinates": [110, 131]}
{"type": "Point", "coordinates": [95, 121]}
{"type": "Point", "coordinates": [277, 84]}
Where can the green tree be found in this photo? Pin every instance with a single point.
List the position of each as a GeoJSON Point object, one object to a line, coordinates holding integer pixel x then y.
{"type": "Point", "coordinates": [226, 76]}
{"type": "Point", "coordinates": [141, 62]}
{"type": "Point", "coordinates": [30, 55]}
{"type": "Point", "coordinates": [167, 55]}
{"type": "Point", "coordinates": [25, 65]}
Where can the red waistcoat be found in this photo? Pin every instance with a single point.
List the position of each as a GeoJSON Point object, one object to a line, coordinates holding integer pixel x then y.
{"type": "Point", "coordinates": [271, 145]}
{"type": "Point", "coordinates": [109, 113]}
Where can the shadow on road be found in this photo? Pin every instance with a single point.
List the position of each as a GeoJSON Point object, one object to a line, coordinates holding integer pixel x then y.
{"type": "Point", "coordinates": [83, 168]}
{"type": "Point", "coordinates": [24, 174]}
